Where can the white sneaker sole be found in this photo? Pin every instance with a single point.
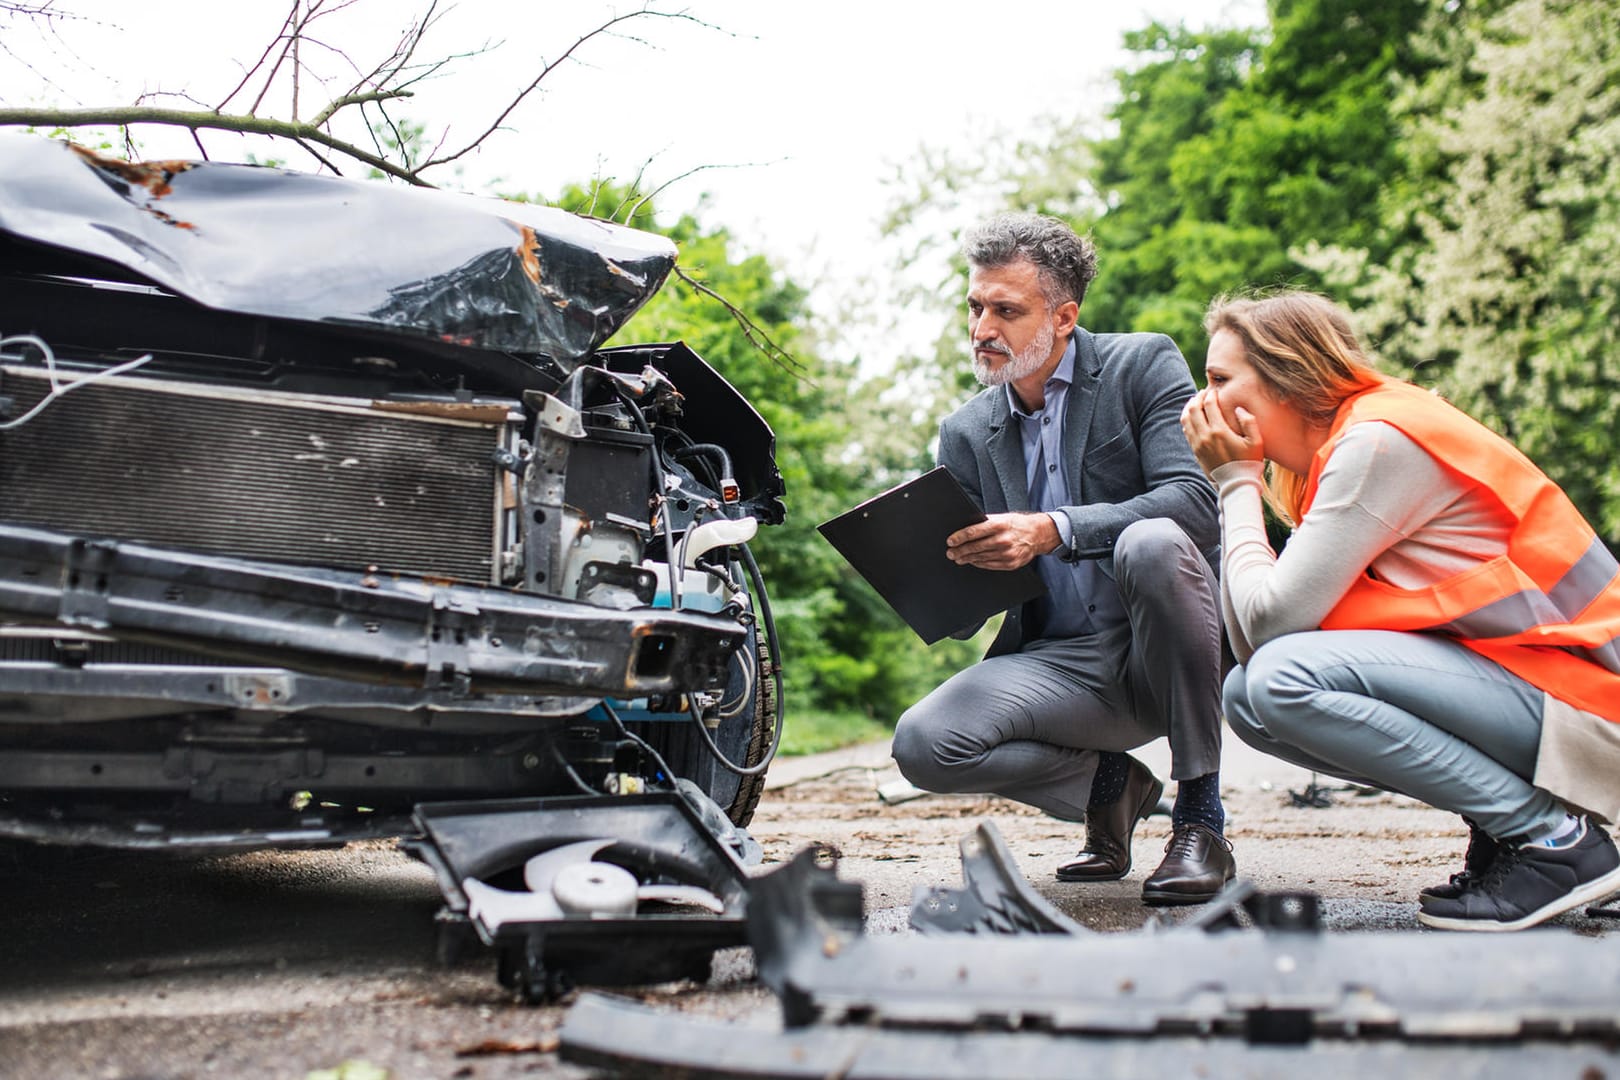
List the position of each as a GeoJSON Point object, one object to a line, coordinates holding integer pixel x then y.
{"type": "Point", "coordinates": [1592, 890]}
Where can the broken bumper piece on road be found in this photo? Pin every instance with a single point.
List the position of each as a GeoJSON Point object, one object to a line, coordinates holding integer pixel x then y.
{"type": "Point", "coordinates": [1250, 986]}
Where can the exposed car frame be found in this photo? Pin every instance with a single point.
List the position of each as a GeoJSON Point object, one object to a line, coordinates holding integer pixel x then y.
{"type": "Point", "coordinates": [322, 498]}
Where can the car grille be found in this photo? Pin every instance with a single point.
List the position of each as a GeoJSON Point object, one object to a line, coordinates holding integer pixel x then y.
{"type": "Point", "coordinates": [260, 475]}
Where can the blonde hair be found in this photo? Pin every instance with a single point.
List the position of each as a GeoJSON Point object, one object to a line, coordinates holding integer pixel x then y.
{"type": "Point", "coordinates": [1302, 347]}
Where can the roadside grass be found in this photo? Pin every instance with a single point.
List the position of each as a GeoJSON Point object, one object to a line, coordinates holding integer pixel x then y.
{"type": "Point", "coordinates": [810, 731]}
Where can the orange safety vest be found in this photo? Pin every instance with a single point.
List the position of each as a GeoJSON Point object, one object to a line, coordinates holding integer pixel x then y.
{"type": "Point", "coordinates": [1548, 610]}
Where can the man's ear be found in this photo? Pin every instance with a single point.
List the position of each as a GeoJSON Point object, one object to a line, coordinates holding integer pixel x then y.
{"type": "Point", "coordinates": [1065, 318]}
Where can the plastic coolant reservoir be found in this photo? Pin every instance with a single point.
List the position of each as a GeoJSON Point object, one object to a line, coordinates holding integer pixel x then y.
{"type": "Point", "coordinates": [700, 590]}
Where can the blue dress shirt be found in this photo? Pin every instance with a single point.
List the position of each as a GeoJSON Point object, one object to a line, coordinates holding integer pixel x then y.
{"type": "Point", "coordinates": [1080, 598]}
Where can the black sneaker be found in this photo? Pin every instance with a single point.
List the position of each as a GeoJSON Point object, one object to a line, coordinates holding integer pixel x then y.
{"type": "Point", "coordinates": [1482, 848]}
{"type": "Point", "coordinates": [1530, 883]}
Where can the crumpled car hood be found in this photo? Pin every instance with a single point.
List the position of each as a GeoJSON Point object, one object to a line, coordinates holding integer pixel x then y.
{"type": "Point", "coordinates": [443, 266]}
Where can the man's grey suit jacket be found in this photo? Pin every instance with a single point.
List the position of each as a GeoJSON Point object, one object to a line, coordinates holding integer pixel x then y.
{"type": "Point", "coordinates": [1125, 457]}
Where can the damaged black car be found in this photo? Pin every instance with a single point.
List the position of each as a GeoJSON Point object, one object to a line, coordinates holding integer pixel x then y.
{"type": "Point", "coordinates": [321, 499]}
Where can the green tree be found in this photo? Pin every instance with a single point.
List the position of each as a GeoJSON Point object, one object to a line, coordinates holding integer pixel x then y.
{"type": "Point", "coordinates": [1232, 156]}
{"type": "Point", "coordinates": [1235, 149]}
{"type": "Point", "coordinates": [1161, 252]}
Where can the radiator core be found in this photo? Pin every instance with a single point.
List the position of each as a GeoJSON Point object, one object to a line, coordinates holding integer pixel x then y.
{"type": "Point", "coordinates": [261, 475]}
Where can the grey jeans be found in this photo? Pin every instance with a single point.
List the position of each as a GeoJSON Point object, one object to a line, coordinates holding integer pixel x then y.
{"type": "Point", "coordinates": [1417, 714]}
{"type": "Point", "coordinates": [1027, 725]}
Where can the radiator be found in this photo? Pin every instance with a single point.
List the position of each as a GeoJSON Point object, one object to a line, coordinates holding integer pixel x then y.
{"type": "Point", "coordinates": [264, 475]}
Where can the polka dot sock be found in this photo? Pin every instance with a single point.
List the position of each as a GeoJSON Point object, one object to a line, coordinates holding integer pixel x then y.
{"type": "Point", "coordinates": [1109, 783]}
{"type": "Point", "coordinates": [1198, 801]}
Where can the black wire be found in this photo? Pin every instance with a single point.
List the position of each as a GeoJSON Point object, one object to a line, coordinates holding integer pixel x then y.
{"type": "Point", "coordinates": [698, 454]}
{"type": "Point", "coordinates": [713, 452]}
{"type": "Point", "coordinates": [579, 781]}
{"type": "Point", "coordinates": [764, 607]}
{"type": "Point", "coordinates": [764, 763]}
{"type": "Point", "coordinates": [669, 774]}
{"type": "Point", "coordinates": [663, 494]}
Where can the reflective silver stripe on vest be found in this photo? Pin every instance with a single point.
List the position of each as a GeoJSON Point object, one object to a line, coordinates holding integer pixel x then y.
{"type": "Point", "coordinates": [1580, 586]}
{"type": "Point", "coordinates": [1520, 612]}
{"type": "Point", "coordinates": [1605, 656]}
{"type": "Point", "coordinates": [1510, 615]}
{"type": "Point", "coordinates": [1584, 582]}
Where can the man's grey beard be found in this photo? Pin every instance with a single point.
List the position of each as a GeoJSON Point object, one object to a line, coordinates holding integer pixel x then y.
{"type": "Point", "coordinates": [1022, 365]}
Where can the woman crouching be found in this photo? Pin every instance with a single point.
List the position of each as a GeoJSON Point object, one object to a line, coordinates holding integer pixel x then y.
{"type": "Point", "coordinates": [1441, 623]}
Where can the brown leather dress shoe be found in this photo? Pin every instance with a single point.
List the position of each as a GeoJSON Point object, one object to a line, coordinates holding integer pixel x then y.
{"type": "Point", "coordinates": [1197, 863]}
{"type": "Point", "coordinates": [1109, 828]}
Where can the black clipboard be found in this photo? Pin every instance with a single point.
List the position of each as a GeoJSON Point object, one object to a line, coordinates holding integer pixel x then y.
{"type": "Point", "coordinates": [896, 541]}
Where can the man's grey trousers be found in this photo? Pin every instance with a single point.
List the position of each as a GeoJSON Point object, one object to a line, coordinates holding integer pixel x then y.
{"type": "Point", "coordinates": [1028, 725]}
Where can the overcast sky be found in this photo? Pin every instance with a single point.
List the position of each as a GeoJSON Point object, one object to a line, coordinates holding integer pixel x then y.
{"type": "Point", "coordinates": [814, 102]}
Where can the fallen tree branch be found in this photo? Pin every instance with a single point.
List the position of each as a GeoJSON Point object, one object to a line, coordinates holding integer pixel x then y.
{"type": "Point", "coordinates": [281, 66]}
{"type": "Point", "coordinates": [374, 86]}
{"type": "Point", "coordinates": [203, 120]}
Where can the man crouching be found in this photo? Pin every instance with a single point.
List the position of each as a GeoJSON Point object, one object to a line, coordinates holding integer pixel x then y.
{"type": "Point", "coordinates": [1075, 453]}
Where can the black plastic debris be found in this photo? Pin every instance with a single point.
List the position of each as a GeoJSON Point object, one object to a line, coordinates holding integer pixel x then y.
{"type": "Point", "coordinates": [995, 899]}
{"type": "Point", "coordinates": [632, 890]}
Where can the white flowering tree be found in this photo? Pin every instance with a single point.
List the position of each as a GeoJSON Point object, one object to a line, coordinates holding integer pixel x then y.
{"type": "Point", "coordinates": [1506, 296]}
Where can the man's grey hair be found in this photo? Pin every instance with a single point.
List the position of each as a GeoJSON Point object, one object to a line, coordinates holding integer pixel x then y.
{"type": "Point", "coordinates": [1066, 262]}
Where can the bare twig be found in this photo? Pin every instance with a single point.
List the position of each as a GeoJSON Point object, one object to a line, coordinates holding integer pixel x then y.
{"type": "Point", "coordinates": [46, 10]}
{"type": "Point", "coordinates": [755, 334]}
{"type": "Point", "coordinates": [598, 182]}
{"type": "Point", "coordinates": [425, 71]}
{"type": "Point", "coordinates": [297, 68]}
{"type": "Point", "coordinates": [247, 76]}
{"type": "Point", "coordinates": [371, 128]}
{"type": "Point", "coordinates": [299, 17]}
{"type": "Point", "coordinates": [643, 200]}
{"type": "Point", "coordinates": [630, 192]}
{"type": "Point", "coordinates": [522, 95]}
{"type": "Point", "coordinates": [346, 100]}
{"type": "Point", "coordinates": [150, 95]}
{"type": "Point", "coordinates": [285, 47]}
{"type": "Point", "coordinates": [404, 49]}
{"type": "Point", "coordinates": [46, 16]}
{"type": "Point", "coordinates": [320, 157]}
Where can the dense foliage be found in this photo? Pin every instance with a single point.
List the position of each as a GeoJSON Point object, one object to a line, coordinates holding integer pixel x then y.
{"type": "Point", "coordinates": [1234, 149]}
{"type": "Point", "coordinates": [1448, 168]}
{"type": "Point", "coordinates": [1503, 294]}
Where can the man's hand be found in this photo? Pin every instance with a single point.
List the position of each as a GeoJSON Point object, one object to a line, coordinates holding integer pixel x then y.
{"type": "Point", "coordinates": [1003, 541]}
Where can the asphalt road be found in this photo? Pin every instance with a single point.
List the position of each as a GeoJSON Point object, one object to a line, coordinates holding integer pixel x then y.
{"type": "Point", "coordinates": [270, 964]}
{"type": "Point", "coordinates": [123, 967]}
